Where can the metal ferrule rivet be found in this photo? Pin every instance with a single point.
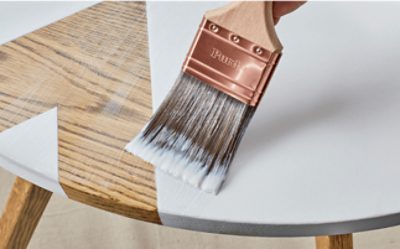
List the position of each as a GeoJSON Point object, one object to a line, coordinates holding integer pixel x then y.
{"type": "Point", "coordinates": [235, 38]}
{"type": "Point", "coordinates": [258, 50]}
{"type": "Point", "coordinates": [213, 28]}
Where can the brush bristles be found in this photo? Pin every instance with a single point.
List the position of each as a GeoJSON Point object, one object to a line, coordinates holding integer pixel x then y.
{"type": "Point", "coordinates": [194, 134]}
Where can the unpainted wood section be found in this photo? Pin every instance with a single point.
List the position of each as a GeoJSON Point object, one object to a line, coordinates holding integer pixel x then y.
{"type": "Point", "coordinates": [94, 66]}
{"type": "Point", "coordinates": [22, 213]}
{"type": "Point", "coordinates": [252, 20]}
{"type": "Point", "coordinates": [344, 241]}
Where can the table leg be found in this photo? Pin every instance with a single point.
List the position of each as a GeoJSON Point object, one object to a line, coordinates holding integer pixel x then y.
{"type": "Point", "coordinates": [22, 213]}
{"type": "Point", "coordinates": [344, 241]}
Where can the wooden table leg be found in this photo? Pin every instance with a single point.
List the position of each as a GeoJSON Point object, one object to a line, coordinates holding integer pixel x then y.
{"type": "Point", "coordinates": [22, 213]}
{"type": "Point", "coordinates": [344, 241]}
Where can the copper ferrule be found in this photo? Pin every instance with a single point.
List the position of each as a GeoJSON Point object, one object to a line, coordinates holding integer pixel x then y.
{"type": "Point", "coordinates": [230, 63]}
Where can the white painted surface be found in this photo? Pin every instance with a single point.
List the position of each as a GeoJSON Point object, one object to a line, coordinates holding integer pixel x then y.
{"type": "Point", "coordinates": [30, 150]}
{"type": "Point", "coordinates": [19, 18]}
{"type": "Point", "coordinates": [322, 153]}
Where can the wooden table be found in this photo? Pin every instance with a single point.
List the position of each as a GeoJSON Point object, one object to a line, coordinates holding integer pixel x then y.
{"type": "Point", "coordinates": [83, 64]}
{"type": "Point", "coordinates": [94, 67]}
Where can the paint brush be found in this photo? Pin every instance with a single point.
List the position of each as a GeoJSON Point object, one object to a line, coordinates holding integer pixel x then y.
{"type": "Point", "coordinates": [196, 131]}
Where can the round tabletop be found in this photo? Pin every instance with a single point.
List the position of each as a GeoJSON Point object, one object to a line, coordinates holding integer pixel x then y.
{"type": "Point", "coordinates": [320, 156]}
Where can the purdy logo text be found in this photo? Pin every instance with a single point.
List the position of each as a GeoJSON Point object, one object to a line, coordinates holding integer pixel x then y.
{"type": "Point", "coordinates": [217, 54]}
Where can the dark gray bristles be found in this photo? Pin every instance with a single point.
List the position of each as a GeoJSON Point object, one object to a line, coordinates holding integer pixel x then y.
{"type": "Point", "coordinates": [194, 134]}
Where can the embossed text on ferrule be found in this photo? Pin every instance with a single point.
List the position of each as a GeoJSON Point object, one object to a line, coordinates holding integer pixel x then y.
{"type": "Point", "coordinates": [218, 55]}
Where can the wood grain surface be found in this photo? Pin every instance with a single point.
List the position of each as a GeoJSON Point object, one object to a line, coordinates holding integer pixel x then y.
{"type": "Point", "coordinates": [94, 66]}
{"type": "Point", "coordinates": [23, 211]}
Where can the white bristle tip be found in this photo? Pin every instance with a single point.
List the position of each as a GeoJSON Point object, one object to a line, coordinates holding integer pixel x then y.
{"type": "Point", "coordinates": [213, 181]}
{"type": "Point", "coordinates": [179, 167]}
{"type": "Point", "coordinates": [190, 170]}
{"type": "Point", "coordinates": [197, 177]}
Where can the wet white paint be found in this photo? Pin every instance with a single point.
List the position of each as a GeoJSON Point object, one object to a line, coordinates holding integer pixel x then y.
{"type": "Point", "coordinates": [19, 18]}
{"type": "Point", "coordinates": [30, 150]}
{"type": "Point", "coordinates": [322, 153]}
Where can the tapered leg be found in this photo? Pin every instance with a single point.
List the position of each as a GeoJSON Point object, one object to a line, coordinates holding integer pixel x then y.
{"type": "Point", "coordinates": [22, 213]}
{"type": "Point", "coordinates": [344, 241]}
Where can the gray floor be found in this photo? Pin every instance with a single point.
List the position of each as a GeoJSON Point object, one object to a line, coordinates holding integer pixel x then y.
{"type": "Point", "coordinates": [67, 224]}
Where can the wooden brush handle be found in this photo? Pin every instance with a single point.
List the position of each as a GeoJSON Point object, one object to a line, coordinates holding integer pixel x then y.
{"type": "Point", "coordinates": [250, 20]}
